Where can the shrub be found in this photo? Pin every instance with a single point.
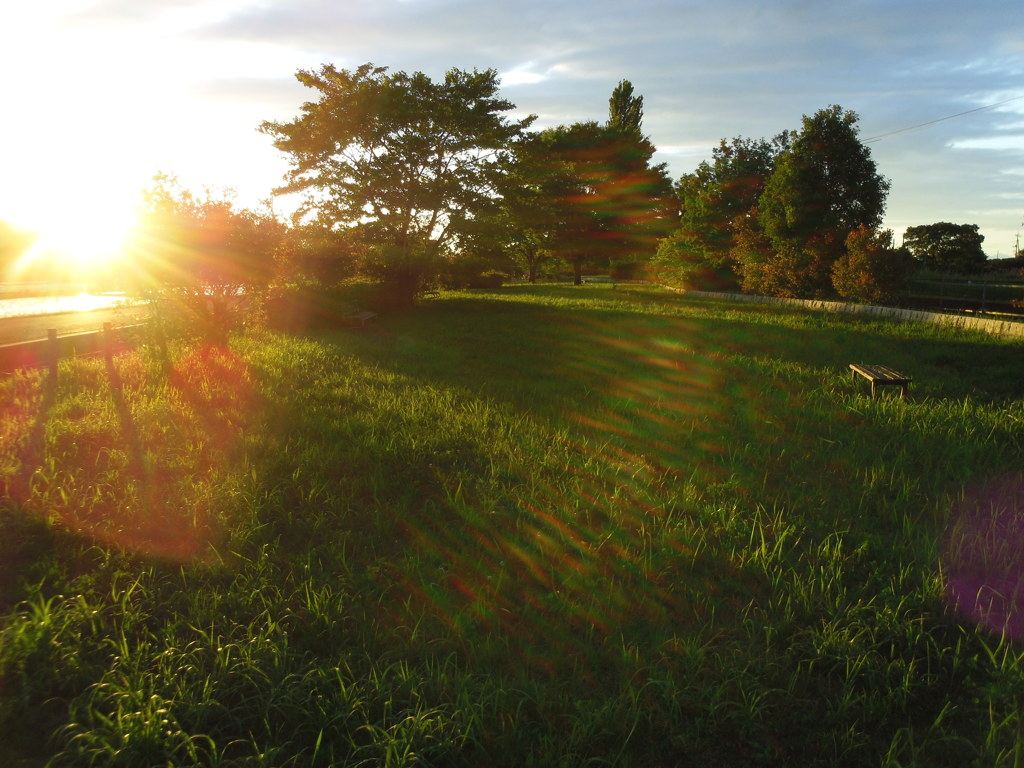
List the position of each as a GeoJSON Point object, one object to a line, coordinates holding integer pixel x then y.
{"type": "Point", "coordinates": [473, 272]}
{"type": "Point", "coordinates": [401, 272]}
{"type": "Point", "coordinates": [679, 263]}
{"type": "Point", "coordinates": [792, 272]}
{"type": "Point", "coordinates": [489, 279]}
{"type": "Point", "coordinates": [871, 271]}
{"type": "Point", "coordinates": [299, 308]}
{"type": "Point", "coordinates": [628, 269]}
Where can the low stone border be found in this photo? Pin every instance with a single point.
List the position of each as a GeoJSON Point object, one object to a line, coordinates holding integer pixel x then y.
{"type": "Point", "coordinates": [984, 324]}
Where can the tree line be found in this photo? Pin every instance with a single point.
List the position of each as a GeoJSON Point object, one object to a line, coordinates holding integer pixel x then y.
{"type": "Point", "coordinates": [409, 183]}
{"type": "Point", "coordinates": [799, 216]}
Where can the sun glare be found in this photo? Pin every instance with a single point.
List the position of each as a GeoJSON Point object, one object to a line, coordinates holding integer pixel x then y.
{"type": "Point", "coordinates": [82, 243]}
{"type": "Point", "coordinates": [89, 237]}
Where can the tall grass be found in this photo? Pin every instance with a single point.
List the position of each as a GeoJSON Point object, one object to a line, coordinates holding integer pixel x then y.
{"type": "Point", "coordinates": [536, 526]}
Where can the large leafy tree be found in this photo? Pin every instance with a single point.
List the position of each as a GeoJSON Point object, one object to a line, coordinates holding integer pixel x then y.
{"type": "Point", "coordinates": [409, 161]}
{"type": "Point", "coordinates": [947, 247]}
{"type": "Point", "coordinates": [717, 203]}
{"type": "Point", "coordinates": [823, 187]}
{"type": "Point", "coordinates": [609, 201]}
{"type": "Point", "coordinates": [525, 224]}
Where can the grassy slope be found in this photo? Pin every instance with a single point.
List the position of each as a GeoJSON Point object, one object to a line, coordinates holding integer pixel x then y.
{"type": "Point", "coordinates": [534, 527]}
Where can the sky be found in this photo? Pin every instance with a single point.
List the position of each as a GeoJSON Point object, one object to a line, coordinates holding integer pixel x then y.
{"type": "Point", "coordinates": [100, 95]}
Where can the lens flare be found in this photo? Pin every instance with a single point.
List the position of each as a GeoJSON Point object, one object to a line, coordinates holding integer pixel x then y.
{"type": "Point", "coordinates": [176, 454]}
{"type": "Point", "coordinates": [982, 563]}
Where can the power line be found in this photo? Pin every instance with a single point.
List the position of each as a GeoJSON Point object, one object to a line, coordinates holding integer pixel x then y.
{"type": "Point", "coordinates": [940, 119]}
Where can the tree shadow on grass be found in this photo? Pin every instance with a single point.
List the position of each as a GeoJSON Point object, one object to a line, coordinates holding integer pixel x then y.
{"type": "Point", "coordinates": [26, 410]}
{"type": "Point", "coordinates": [539, 540]}
{"type": "Point", "coordinates": [131, 485]}
{"type": "Point", "coordinates": [769, 412]}
{"type": "Point", "coordinates": [461, 340]}
{"type": "Point", "coordinates": [32, 402]}
{"type": "Point", "coordinates": [687, 395]}
{"type": "Point", "coordinates": [669, 480]}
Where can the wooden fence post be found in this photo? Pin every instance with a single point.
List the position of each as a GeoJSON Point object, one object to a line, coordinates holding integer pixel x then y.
{"type": "Point", "coordinates": [52, 354]}
{"type": "Point", "coordinates": [108, 343]}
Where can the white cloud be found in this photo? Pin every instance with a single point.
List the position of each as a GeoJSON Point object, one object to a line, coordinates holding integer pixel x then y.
{"type": "Point", "coordinates": [524, 74]}
{"type": "Point", "coordinates": [997, 143]}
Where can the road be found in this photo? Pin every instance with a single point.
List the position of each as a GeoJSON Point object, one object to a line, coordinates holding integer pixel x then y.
{"type": "Point", "coordinates": [31, 327]}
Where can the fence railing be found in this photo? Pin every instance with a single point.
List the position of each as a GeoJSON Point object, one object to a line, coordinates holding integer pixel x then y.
{"type": "Point", "coordinates": [47, 353]}
{"type": "Point", "coordinates": [968, 295]}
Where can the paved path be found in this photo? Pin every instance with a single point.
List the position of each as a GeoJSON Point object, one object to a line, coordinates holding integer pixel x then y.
{"type": "Point", "coordinates": [31, 327]}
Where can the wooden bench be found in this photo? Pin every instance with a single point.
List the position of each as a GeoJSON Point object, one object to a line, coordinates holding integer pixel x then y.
{"type": "Point", "coordinates": [881, 376]}
{"type": "Point", "coordinates": [355, 316]}
{"type": "Point", "coordinates": [359, 317]}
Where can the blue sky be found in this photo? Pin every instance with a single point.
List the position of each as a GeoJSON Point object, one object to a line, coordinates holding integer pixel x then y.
{"type": "Point", "coordinates": [99, 95]}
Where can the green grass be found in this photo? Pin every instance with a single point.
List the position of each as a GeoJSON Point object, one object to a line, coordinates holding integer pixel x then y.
{"type": "Point", "coordinates": [535, 526]}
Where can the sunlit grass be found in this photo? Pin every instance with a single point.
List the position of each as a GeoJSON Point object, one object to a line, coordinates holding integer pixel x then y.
{"type": "Point", "coordinates": [537, 526]}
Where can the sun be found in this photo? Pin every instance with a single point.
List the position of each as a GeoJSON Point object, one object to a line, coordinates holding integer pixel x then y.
{"type": "Point", "coordinates": [89, 239]}
{"type": "Point", "coordinates": [80, 242]}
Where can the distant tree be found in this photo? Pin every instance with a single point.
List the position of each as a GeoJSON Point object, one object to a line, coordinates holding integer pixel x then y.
{"type": "Point", "coordinates": [625, 119]}
{"type": "Point", "coordinates": [591, 192]}
{"type": "Point", "coordinates": [946, 247]}
{"type": "Point", "coordinates": [408, 161]}
{"type": "Point", "coordinates": [823, 187]}
{"type": "Point", "coordinates": [626, 111]}
{"type": "Point", "coordinates": [873, 270]}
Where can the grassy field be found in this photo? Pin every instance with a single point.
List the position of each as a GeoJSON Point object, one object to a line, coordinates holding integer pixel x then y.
{"type": "Point", "coordinates": [540, 526]}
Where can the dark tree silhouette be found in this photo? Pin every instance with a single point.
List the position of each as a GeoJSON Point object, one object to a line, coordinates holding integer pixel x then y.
{"type": "Point", "coordinates": [947, 247]}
